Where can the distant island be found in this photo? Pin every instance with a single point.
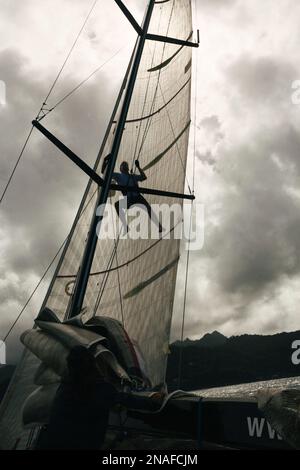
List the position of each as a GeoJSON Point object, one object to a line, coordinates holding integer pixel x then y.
{"type": "Point", "coordinates": [216, 361]}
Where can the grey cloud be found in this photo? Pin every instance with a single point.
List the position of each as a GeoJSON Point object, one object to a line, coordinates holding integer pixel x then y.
{"type": "Point", "coordinates": [242, 281]}
{"type": "Point", "coordinates": [263, 80]}
{"type": "Point", "coordinates": [210, 135]}
{"type": "Point", "coordinates": [257, 240]}
{"type": "Point", "coordinates": [206, 157]}
{"type": "Point", "coordinates": [252, 229]}
{"type": "Point", "coordinates": [44, 195]}
{"type": "Point", "coordinates": [252, 239]}
{"type": "Point", "coordinates": [210, 123]}
{"type": "Point", "coordinates": [212, 127]}
{"type": "Point", "coordinates": [47, 188]}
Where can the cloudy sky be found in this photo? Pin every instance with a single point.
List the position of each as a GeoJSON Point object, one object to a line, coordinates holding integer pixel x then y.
{"type": "Point", "coordinates": [247, 277]}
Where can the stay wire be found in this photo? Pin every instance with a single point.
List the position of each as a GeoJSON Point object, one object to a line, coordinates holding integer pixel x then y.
{"type": "Point", "coordinates": [69, 54]}
{"type": "Point", "coordinates": [41, 111]}
{"type": "Point", "coordinates": [43, 277]}
{"type": "Point", "coordinates": [16, 165]}
{"type": "Point", "coordinates": [118, 272]}
{"type": "Point", "coordinates": [180, 363]}
{"type": "Point", "coordinates": [65, 97]}
{"type": "Point", "coordinates": [34, 291]}
{"type": "Point", "coordinates": [145, 101]}
{"type": "Point", "coordinates": [149, 120]}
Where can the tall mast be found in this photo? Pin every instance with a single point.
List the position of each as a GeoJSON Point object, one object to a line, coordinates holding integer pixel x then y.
{"type": "Point", "coordinates": [83, 275]}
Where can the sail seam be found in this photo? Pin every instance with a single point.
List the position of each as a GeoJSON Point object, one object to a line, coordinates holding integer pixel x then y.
{"type": "Point", "coordinates": [160, 109]}
{"type": "Point", "coordinates": [69, 276]}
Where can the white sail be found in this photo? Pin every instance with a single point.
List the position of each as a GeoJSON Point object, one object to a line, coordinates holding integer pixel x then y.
{"type": "Point", "coordinates": [131, 280]}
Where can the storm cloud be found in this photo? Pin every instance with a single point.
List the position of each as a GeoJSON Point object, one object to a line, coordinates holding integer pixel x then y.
{"type": "Point", "coordinates": [247, 277]}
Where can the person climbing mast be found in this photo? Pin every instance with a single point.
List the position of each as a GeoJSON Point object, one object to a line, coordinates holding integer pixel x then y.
{"type": "Point", "coordinates": [126, 178]}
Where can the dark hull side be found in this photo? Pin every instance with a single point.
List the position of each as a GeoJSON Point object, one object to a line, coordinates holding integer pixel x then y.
{"type": "Point", "coordinates": [190, 422]}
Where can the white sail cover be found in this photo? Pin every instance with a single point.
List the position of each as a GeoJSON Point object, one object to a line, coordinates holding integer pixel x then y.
{"type": "Point", "coordinates": [131, 280]}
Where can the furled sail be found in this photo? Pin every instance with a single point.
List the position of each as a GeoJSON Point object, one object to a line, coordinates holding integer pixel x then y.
{"type": "Point", "coordinates": [132, 281]}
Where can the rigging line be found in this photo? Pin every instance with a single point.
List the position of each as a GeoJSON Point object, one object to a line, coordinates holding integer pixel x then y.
{"type": "Point", "coordinates": [120, 291]}
{"type": "Point", "coordinates": [79, 217]}
{"type": "Point", "coordinates": [109, 269]}
{"type": "Point", "coordinates": [178, 151]}
{"type": "Point", "coordinates": [106, 274]}
{"type": "Point", "coordinates": [41, 111]}
{"type": "Point", "coordinates": [149, 120]}
{"type": "Point", "coordinates": [16, 165]}
{"type": "Point", "coordinates": [177, 394]}
{"type": "Point", "coordinates": [148, 124]}
{"type": "Point", "coordinates": [126, 263]}
{"type": "Point", "coordinates": [83, 210]}
{"type": "Point", "coordinates": [185, 300]}
{"type": "Point", "coordinates": [109, 129]}
{"type": "Point", "coordinates": [105, 279]}
{"type": "Point", "coordinates": [70, 52]}
{"type": "Point", "coordinates": [34, 291]}
{"type": "Point", "coordinates": [146, 94]}
{"type": "Point", "coordinates": [118, 273]}
{"type": "Point", "coordinates": [146, 130]}
{"type": "Point", "coordinates": [82, 82]}
{"type": "Point", "coordinates": [195, 106]}
{"type": "Point", "coordinates": [190, 227]}
{"type": "Point", "coordinates": [151, 114]}
{"type": "Point", "coordinates": [195, 121]}
{"type": "Point", "coordinates": [45, 273]}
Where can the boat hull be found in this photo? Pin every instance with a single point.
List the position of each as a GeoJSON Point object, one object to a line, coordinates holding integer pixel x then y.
{"type": "Point", "coordinates": [190, 422]}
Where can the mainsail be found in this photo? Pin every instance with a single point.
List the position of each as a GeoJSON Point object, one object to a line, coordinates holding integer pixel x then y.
{"type": "Point", "coordinates": [132, 281]}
